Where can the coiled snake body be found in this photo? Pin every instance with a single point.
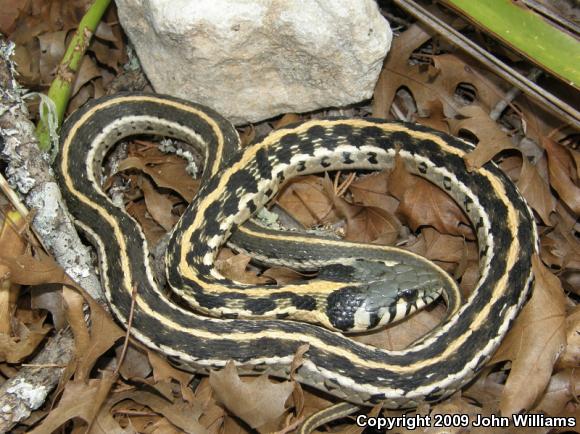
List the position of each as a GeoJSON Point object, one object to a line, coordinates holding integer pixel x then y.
{"type": "Point", "coordinates": [434, 368]}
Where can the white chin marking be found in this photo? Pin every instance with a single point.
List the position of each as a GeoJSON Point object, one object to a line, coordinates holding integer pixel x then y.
{"type": "Point", "coordinates": [401, 308]}
{"type": "Point", "coordinates": [362, 319]}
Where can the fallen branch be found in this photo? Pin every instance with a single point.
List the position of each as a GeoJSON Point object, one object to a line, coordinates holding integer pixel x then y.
{"type": "Point", "coordinates": [29, 172]}
{"type": "Point", "coordinates": [27, 391]}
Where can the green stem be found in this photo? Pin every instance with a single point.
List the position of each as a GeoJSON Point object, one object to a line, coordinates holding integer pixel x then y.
{"type": "Point", "coordinates": [61, 87]}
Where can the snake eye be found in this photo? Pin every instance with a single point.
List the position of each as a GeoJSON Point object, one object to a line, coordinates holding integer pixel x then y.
{"type": "Point", "coordinates": [408, 294]}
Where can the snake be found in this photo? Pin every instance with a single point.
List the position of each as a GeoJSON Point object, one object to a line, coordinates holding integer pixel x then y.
{"type": "Point", "coordinates": [209, 320]}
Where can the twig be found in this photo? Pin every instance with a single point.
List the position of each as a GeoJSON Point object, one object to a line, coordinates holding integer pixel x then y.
{"type": "Point", "coordinates": [340, 188]}
{"type": "Point", "coordinates": [134, 413]}
{"type": "Point", "coordinates": [12, 197]}
{"type": "Point", "coordinates": [392, 18]}
{"type": "Point", "coordinates": [115, 375]}
{"type": "Point", "coordinates": [293, 426]}
{"type": "Point", "coordinates": [21, 212]}
{"type": "Point", "coordinates": [511, 95]}
{"type": "Point", "coordinates": [43, 365]}
{"type": "Point", "coordinates": [5, 294]}
{"type": "Point", "coordinates": [531, 89]}
{"type": "Point", "coordinates": [128, 333]}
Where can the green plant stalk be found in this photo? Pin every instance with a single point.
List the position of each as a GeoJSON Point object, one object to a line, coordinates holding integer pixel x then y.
{"type": "Point", "coordinates": [61, 87]}
{"type": "Point", "coordinates": [527, 33]}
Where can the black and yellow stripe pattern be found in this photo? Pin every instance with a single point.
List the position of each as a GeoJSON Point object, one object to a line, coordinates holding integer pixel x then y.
{"type": "Point", "coordinates": [428, 371]}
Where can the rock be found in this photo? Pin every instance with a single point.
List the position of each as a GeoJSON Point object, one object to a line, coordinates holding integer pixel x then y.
{"type": "Point", "coordinates": [254, 59]}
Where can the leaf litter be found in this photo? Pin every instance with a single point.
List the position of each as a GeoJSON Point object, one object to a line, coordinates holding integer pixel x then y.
{"type": "Point", "coordinates": [423, 80]}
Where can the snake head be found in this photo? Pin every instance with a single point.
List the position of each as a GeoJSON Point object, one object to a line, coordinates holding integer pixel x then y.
{"type": "Point", "coordinates": [379, 293]}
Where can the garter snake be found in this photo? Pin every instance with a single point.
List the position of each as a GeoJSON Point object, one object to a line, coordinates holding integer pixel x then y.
{"type": "Point", "coordinates": [429, 371]}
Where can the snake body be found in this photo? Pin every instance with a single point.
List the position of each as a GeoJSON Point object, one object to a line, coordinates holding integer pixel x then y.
{"type": "Point", "coordinates": [429, 371]}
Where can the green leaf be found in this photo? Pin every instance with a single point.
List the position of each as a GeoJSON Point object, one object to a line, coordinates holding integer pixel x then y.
{"type": "Point", "coordinates": [527, 33]}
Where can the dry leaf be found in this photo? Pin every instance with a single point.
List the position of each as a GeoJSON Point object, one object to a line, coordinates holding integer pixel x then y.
{"type": "Point", "coordinates": [160, 426]}
{"type": "Point", "coordinates": [371, 224]}
{"type": "Point", "coordinates": [287, 119]}
{"type": "Point", "coordinates": [39, 33]}
{"type": "Point", "coordinates": [49, 297]}
{"type": "Point", "coordinates": [433, 116]}
{"type": "Point", "coordinates": [83, 95]}
{"type": "Point", "coordinates": [456, 405]}
{"type": "Point", "coordinates": [563, 176]}
{"type": "Point", "coordinates": [52, 47]}
{"type": "Point", "coordinates": [135, 417]}
{"type": "Point", "coordinates": [440, 247]}
{"type": "Point", "coordinates": [305, 199]}
{"type": "Point", "coordinates": [536, 191]}
{"type": "Point", "coordinates": [282, 275]}
{"type": "Point", "coordinates": [66, 14]}
{"type": "Point", "coordinates": [168, 171]}
{"type": "Point", "coordinates": [425, 82]}
{"type": "Point", "coordinates": [180, 413]}
{"type": "Point", "coordinates": [392, 76]}
{"type": "Point", "coordinates": [372, 190]}
{"type": "Point", "coordinates": [570, 358]}
{"type": "Point", "coordinates": [28, 270]}
{"type": "Point", "coordinates": [27, 60]}
{"type": "Point", "coordinates": [491, 139]}
{"type": "Point", "coordinates": [469, 278]}
{"type": "Point", "coordinates": [104, 333]}
{"type": "Point", "coordinates": [563, 388]}
{"type": "Point", "coordinates": [12, 228]}
{"type": "Point", "coordinates": [110, 57]}
{"type": "Point", "coordinates": [257, 402]}
{"type": "Point", "coordinates": [424, 204]}
{"type": "Point", "coordinates": [511, 165]}
{"type": "Point", "coordinates": [135, 364]}
{"type": "Point", "coordinates": [235, 268]}
{"type": "Point", "coordinates": [233, 425]}
{"type": "Point", "coordinates": [105, 32]}
{"type": "Point", "coordinates": [74, 303]}
{"type": "Point", "coordinates": [363, 223]}
{"type": "Point", "coordinates": [13, 349]}
{"type": "Point", "coordinates": [11, 10]}
{"type": "Point", "coordinates": [558, 251]}
{"type": "Point", "coordinates": [487, 389]}
{"type": "Point", "coordinates": [213, 415]}
{"type": "Point", "coordinates": [153, 231]}
{"type": "Point", "coordinates": [456, 72]}
{"type": "Point", "coordinates": [79, 400]}
{"type": "Point", "coordinates": [576, 158]}
{"type": "Point", "coordinates": [164, 372]}
{"type": "Point", "coordinates": [534, 343]}
{"type": "Point", "coordinates": [87, 72]}
{"type": "Point", "coordinates": [158, 205]}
